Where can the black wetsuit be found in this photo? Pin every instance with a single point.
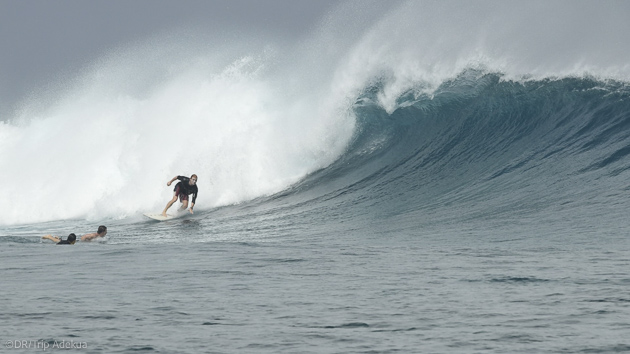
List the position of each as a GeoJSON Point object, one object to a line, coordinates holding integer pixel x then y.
{"type": "Point", "coordinates": [185, 188]}
{"type": "Point", "coordinates": [64, 242]}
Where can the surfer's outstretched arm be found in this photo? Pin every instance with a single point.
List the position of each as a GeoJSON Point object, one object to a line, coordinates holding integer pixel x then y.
{"type": "Point", "coordinates": [171, 181]}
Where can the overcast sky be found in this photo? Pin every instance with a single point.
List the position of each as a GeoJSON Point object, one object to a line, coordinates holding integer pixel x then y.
{"type": "Point", "coordinates": [40, 39]}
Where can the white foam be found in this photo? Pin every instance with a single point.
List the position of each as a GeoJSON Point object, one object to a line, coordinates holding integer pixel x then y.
{"type": "Point", "coordinates": [421, 44]}
{"type": "Point", "coordinates": [108, 146]}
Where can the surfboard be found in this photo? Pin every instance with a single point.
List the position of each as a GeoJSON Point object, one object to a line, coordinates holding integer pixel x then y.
{"type": "Point", "coordinates": [159, 217]}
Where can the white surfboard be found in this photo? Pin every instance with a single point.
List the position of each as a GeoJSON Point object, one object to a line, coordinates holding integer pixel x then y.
{"type": "Point", "coordinates": [159, 217]}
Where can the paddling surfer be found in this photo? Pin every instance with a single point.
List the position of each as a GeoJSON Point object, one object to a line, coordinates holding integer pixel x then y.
{"type": "Point", "coordinates": [72, 238]}
{"type": "Point", "coordinates": [185, 187]}
{"type": "Point", "coordinates": [101, 232]}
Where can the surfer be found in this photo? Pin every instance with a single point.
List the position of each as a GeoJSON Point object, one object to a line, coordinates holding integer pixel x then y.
{"type": "Point", "coordinates": [183, 189]}
{"type": "Point", "coordinates": [72, 238]}
{"type": "Point", "coordinates": [101, 232]}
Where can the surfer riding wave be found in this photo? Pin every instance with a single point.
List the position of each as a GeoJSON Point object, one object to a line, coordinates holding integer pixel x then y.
{"type": "Point", "coordinates": [185, 187]}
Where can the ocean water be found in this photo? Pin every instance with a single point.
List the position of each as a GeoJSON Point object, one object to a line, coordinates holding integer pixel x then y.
{"type": "Point", "coordinates": [355, 293]}
{"type": "Point", "coordinates": [416, 183]}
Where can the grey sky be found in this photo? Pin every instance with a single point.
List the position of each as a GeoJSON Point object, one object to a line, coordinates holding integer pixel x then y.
{"type": "Point", "coordinates": [39, 39]}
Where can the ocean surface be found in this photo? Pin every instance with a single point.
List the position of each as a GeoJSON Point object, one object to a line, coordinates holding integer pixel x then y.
{"type": "Point", "coordinates": [374, 198]}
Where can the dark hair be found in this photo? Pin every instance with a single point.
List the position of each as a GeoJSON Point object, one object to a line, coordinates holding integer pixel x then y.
{"type": "Point", "coordinates": [101, 229]}
{"type": "Point", "coordinates": [195, 176]}
{"type": "Point", "coordinates": [72, 238]}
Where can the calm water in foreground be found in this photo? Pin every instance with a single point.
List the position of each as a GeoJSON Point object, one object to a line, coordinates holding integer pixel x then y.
{"type": "Point", "coordinates": [350, 293]}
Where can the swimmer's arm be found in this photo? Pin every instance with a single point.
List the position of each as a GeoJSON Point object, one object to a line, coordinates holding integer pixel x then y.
{"type": "Point", "coordinates": [54, 239]}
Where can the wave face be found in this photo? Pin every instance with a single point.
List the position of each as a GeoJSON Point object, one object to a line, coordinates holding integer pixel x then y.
{"type": "Point", "coordinates": [481, 151]}
{"type": "Point", "coordinates": [423, 113]}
